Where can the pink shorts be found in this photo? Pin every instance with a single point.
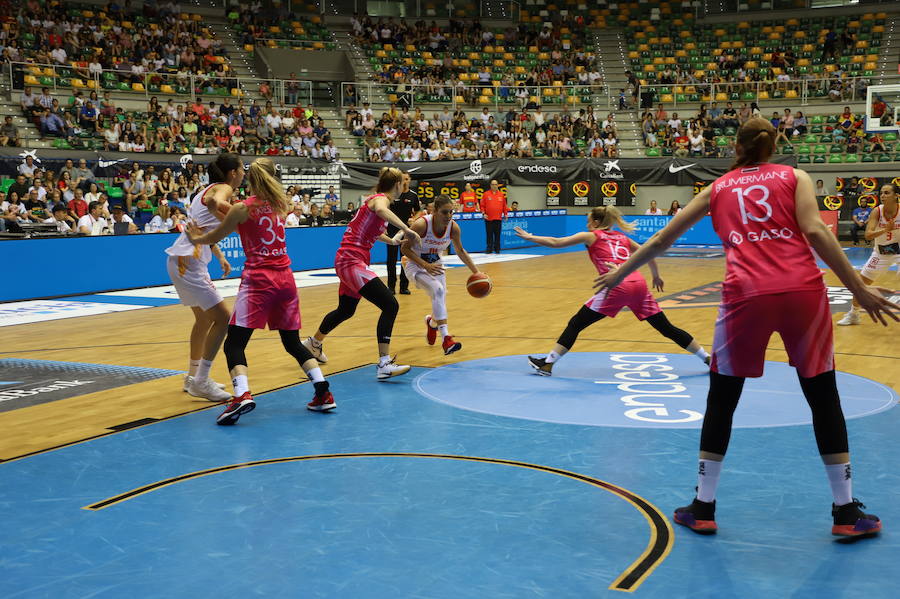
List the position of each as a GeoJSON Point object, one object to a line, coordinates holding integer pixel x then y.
{"type": "Point", "coordinates": [631, 293]}
{"type": "Point", "coordinates": [267, 297]}
{"type": "Point", "coordinates": [352, 268]}
{"type": "Point", "coordinates": [743, 329]}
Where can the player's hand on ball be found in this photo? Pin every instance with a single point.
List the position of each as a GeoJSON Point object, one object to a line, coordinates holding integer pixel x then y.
{"type": "Point", "coordinates": [873, 301]}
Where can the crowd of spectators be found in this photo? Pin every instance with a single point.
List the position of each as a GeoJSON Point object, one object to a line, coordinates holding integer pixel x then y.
{"type": "Point", "coordinates": [401, 135]}
{"type": "Point", "coordinates": [180, 127]}
{"type": "Point", "coordinates": [144, 199]}
{"type": "Point", "coordinates": [137, 44]}
{"type": "Point", "coordinates": [567, 60]}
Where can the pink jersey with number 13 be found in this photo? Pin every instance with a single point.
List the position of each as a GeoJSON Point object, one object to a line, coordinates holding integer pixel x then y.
{"type": "Point", "coordinates": [754, 213]}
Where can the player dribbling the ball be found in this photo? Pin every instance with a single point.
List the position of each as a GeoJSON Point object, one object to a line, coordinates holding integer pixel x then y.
{"type": "Point", "coordinates": [607, 247]}
{"type": "Point", "coordinates": [424, 266]}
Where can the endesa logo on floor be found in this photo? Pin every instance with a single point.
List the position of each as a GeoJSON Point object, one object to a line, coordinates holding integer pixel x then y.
{"type": "Point", "coordinates": [650, 389]}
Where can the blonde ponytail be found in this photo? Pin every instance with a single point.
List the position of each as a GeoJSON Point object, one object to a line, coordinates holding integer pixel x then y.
{"type": "Point", "coordinates": [266, 187]}
{"type": "Point", "coordinates": [608, 216]}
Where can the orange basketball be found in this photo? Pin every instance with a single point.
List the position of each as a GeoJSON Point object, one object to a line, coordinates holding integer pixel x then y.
{"type": "Point", "coordinates": [479, 285]}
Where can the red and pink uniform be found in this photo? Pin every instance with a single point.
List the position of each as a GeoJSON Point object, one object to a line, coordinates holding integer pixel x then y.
{"type": "Point", "coordinates": [772, 282]}
{"type": "Point", "coordinates": [352, 259]}
{"type": "Point", "coordinates": [615, 247]}
{"type": "Point", "coordinates": [268, 292]}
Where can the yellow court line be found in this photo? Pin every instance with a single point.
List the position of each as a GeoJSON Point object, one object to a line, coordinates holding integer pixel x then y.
{"type": "Point", "coordinates": [658, 548]}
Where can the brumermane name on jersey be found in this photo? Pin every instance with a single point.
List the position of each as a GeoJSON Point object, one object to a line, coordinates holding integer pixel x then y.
{"type": "Point", "coordinates": [755, 178]}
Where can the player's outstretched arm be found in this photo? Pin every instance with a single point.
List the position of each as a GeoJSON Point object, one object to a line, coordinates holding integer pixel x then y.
{"type": "Point", "coordinates": [237, 215]}
{"type": "Point", "coordinates": [380, 206]}
{"type": "Point", "coordinates": [585, 237]}
{"type": "Point", "coordinates": [826, 245]}
{"type": "Point", "coordinates": [662, 240]}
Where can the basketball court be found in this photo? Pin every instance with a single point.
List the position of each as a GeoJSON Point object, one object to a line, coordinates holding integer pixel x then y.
{"type": "Point", "coordinates": [468, 477]}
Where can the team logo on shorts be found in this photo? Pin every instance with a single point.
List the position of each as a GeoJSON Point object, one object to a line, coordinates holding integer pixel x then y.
{"type": "Point", "coordinates": [582, 188]}
{"type": "Point", "coordinates": [735, 238]}
{"type": "Point", "coordinates": [833, 202]}
{"type": "Point", "coordinates": [609, 189]}
{"type": "Point", "coordinates": [554, 189]}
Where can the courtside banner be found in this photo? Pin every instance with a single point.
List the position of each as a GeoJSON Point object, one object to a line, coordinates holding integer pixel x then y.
{"type": "Point", "coordinates": [363, 175]}
{"type": "Point", "coordinates": [113, 262]}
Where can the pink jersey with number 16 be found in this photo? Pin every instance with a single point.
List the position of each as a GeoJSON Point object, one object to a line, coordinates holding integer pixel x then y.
{"type": "Point", "coordinates": [754, 213]}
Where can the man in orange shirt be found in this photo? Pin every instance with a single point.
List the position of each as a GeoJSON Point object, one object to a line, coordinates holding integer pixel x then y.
{"type": "Point", "coordinates": [469, 199]}
{"type": "Point", "coordinates": [494, 208]}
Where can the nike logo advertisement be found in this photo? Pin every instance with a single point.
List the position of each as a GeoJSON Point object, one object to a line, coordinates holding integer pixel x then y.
{"type": "Point", "coordinates": [412, 170]}
{"type": "Point", "coordinates": [674, 169]}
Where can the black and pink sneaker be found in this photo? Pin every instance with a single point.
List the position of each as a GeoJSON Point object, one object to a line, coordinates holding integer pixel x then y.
{"type": "Point", "coordinates": [235, 408]}
{"type": "Point", "coordinates": [850, 521]}
{"type": "Point", "coordinates": [700, 517]}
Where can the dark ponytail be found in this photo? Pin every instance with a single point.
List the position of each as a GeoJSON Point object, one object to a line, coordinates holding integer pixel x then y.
{"type": "Point", "coordinates": [218, 168]}
{"type": "Point", "coordinates": [755, 142]}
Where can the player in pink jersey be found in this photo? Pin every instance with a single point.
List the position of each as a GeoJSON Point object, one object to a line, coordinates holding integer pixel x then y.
{"type": "Point", "coordinates": [268, 293]}
{"type": "Point", "coordinates": [767, 218]}
{"type": "Point", "coordinates": [357, 281]}
{"type": "Point", "coordinates": [605, 247]}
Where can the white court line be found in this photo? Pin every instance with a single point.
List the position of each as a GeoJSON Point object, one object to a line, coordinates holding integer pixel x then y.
{"type": "Point", "coordinates": [30, 311]}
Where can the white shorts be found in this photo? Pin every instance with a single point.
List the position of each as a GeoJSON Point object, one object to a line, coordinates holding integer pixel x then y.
{"type": "Point", "coordinates": [412, 269]}
{"type": "Point", "coordinates": [878, 263]}
{"type": "Point", "coordinates": [191, 279]}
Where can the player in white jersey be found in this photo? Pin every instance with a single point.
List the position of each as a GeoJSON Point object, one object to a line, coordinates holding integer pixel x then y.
{"type": "Point", "coordinates": [884, 229]}
{"type": "Point", "coordinates": [424, 267]}
{"type": "Point", "coordinates": [188, 268]}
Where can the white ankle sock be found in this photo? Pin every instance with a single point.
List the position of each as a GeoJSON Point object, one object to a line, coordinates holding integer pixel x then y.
{"type": "Point", "coordinates": [203, 370]}
{"type": "Point", "coordinates": [315, 375]}
{"type": "Point", "coordinates": [241, 385]}
{"type": "Point", "coordinates": [192, 370]}
{"type": "Point", "coordinates": [702, 354]}
{"type": "Point", "coordinates": [552, 357]}
{"type": "Point", "coordinates": [708, 480]}
{"type": "Point", "coordinates": [444, 330]}
{"type": "Point", "coordinates": [841, 482]}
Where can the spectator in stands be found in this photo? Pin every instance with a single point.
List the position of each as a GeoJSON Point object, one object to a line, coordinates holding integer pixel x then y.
{"type": "Point", "coordinates": [860, 217]}
{"type": "Point", "coordinates": [35, 208]}
{"type": "Point", "coordinates": [697, 142]}
{"type": "Point", "coordinates": [682, 143]}
{"type": "Point", "coordinates": [295, 218]}
{"type": "Point", "coordinates": [60, 217]}
{"type": "Point", "coordinates": [12, 212]}
{"type": "Point", "coordinates": [161, 221]}
{"type": "Point", "coordinates": [28, 102]}
{"type": "Point", "coordinates": [653, 210]}
{"type": "Point", "coordinates": [20, 185]}
{"type": "Point", "coordinates": [9, 133]}
{"type": "Point", "coordinates": [119, 216]}
{"type": "Point", "coordinates": [674, 208]}
{"type": "Point", "coordinates": [27, 167]}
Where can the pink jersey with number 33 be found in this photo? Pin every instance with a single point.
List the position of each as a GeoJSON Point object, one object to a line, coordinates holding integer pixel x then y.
{"type": "Point", "coordinates": [754, 213]}
{"type": "Point", "coordinates": [262, 236]}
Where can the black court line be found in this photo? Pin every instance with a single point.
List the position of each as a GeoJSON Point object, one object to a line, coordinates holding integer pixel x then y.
{"type": "Point", "coordinates": [118, 428]}
{"type": "Point", "coordinates": [661, 535]}
{"type": "Point", "coordinates": [417, 336]}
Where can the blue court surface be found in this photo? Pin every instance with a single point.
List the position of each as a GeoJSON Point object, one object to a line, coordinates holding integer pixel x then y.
{"type": "Point", "coordinates": [477, 479]}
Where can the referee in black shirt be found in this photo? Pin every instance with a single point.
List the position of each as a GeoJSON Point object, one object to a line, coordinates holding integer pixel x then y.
{"type": "Point", "coordinates": [405, 207]}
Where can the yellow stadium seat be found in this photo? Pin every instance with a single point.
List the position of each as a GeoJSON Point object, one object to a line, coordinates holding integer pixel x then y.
{"type": "Point", "coordinates": [389, 47]}
{"type": "Point", "coordinates": [78, 83]}
{"type": "Point", "coordinates": [49, 72]}
{"type": "Point", "coordinates": [668, 98]}
{"type": "Point", "coordinates": [91, 84]}
{"type": "Point", "coordinates": [791, 93]}
{"type": "Point", "coordinates": [870, 66]}
{"type": "Point", "coordinates": [248, 47]}
{"type": "Point", "coordinates": [721, 97]}
{"type": "Point", "coordinates": [484, 100]}
{"type": "Point", "coordinates": [138, 87]}
{"type": "Point", "coordinates": [763, 95]}
{"type": "Point", "coordinates": [236, 92]}
{"type": "Point", "coordinates": [487, 91]}
{"type": "Point", "coordinates": [459, 99]}
{"type": "Point", "coordinates": [31, 80]}
{"type": "Point", "coordinates": [196, 18]}
{"type": "Point", "coordinates": [410, 48]}
{"type": "Point", "coordinates": [166, 89]}
{"type": "Point", "coordinates": [87, 14]}
{"type": "Point", "coordinates": [573, 100]}
{"type": "Point", "coordinates": [392, 98]}
{"type": "Point", "coordinates": [464, 77]}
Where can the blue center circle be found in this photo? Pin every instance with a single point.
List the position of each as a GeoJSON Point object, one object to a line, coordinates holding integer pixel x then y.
{"type": "Point", "coordinates": [640, 390]}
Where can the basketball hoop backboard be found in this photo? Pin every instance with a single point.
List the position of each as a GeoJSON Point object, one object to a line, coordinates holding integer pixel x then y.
{"type": "Point", "coordinates": [882, 108]}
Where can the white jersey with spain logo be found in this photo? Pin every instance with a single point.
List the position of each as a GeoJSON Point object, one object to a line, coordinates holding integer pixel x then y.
{"type": "Point", "coordinates": [892, 236]}
{"type": "Point", "coordinates": [432, 247]}
{"type": "Point", "coordinates": [203, 218]}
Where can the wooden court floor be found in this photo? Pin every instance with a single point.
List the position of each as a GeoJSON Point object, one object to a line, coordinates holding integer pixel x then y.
{"type": "Point", "coordinates": [530, 305]}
